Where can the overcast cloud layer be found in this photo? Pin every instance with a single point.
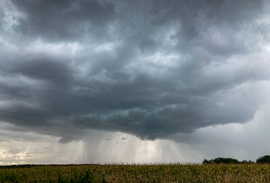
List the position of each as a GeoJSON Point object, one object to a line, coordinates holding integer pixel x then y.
{"type": "Point", "coordinates": [146, 68]}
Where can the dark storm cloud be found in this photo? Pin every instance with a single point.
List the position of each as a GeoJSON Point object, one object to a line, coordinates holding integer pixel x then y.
{"type": "Point", "coordinates": [149, 68]}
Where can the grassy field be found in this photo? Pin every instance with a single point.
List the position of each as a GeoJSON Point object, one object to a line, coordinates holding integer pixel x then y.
{"type": "Point", "coordinates": [136, 173]}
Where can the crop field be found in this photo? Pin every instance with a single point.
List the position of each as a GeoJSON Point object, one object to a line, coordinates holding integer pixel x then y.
{"type": "Point", "coordinates": [136, 173]}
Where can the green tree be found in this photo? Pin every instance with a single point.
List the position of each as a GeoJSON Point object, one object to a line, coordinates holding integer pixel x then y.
{"type": "Point", "coordinates": [221, 161]}
{"type": "Point", "coordinates": [263, 159]}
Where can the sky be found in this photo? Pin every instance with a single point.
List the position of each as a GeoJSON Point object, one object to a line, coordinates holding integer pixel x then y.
{"type": "Point", "coordinates": [125, 81]}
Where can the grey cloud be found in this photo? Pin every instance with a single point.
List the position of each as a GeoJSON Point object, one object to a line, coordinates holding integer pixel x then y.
{"type": "Point", "coordinates": [1, 18]}
{"type": "Point", "coordinates": [185, 117]}
{"type": "Point", "coordinates": [22, 114]}
{"type": "Point", "coordinates": [152, 71]}
{"type": "Point", "coordinates": [222, 11]}
{"type": "Point", "coordinates": [227, 18]}
{"type": "Point", "coordinates": [147, 45]}
{"type": "Point", "coordinates": [45, 69]}
{"type": "Point", "coordinates": [64, 20]}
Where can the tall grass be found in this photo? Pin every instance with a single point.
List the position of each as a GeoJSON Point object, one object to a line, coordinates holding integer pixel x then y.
{"type": "Point", "coordinates": [137, 173]}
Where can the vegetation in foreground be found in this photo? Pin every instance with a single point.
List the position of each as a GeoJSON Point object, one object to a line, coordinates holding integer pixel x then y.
{"type": "Point", "coordinates": [137, 173]}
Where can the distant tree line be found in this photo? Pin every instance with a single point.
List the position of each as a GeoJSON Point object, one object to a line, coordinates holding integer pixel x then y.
{"type": "Point", "coordinates": [263, 159]}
